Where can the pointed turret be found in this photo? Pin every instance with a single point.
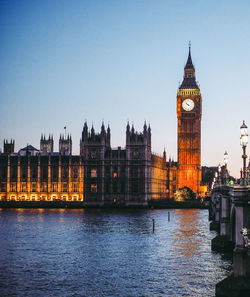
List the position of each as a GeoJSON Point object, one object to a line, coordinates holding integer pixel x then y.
{"type": "Point", "coordinates": [85, 132]}
{"type": "Point", "coordinates": [189, 81]}
{"type": "Point", "coordinates": [128, 134]}
{"type": "Point", "coordinates": [128, 127]}
{"type": "Point", "coordinates": [108, 136]}
{"type": "Point", "coordinates": [145, 130]}
{"type": "Point", "coordinates": [103, 132]}
{"type": "Point", "coordinates": [189, 64]}
{"type": "Point", "coordinates": [92, 131]}
{"type": "Point", "coordinates": [133, 129]}
{"type": "Point", "coordinates": [149, 129]}
{"type": "Point", "coordinates": [149, 134]}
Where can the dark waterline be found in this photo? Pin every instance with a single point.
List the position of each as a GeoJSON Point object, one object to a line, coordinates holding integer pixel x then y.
{"type": "Point", "coordinates": [88, 253]}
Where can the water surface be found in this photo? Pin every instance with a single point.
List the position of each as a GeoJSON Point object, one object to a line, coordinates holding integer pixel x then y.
{"type": "Point", "coordinates": [107, 253]}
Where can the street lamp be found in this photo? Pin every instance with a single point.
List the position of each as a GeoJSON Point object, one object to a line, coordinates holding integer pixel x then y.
{"type": "Point", "coordinates": [225, 158]}
{"type": "Point", "coordinates": [225, 172]}
{"type": "Point", "coordinates": [219, 174]}
{"type": "Point", "coordinates": [243, 143]}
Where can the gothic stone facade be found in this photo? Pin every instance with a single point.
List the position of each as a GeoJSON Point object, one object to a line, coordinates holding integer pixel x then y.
{"type": "Point", "coordinates": [100, 175]}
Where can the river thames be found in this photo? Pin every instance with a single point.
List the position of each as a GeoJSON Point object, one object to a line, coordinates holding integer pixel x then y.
{"type": "Point", "coordinates": [96, 253]}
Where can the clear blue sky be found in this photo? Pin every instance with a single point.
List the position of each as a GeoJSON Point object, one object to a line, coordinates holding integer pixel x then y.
{"type": "Point", "coordinates": [62, 62]}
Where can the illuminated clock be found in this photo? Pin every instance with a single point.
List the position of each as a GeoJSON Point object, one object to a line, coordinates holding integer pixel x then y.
{"type": "Point", "coordinates": [188, 104]}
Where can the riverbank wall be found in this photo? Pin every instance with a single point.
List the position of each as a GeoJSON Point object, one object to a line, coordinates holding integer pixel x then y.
{"type": "Point", "coordinates": [152, 204]}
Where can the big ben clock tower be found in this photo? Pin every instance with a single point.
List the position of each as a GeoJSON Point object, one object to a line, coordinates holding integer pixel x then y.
{"type": "Point", "coordinates": [189, 105]}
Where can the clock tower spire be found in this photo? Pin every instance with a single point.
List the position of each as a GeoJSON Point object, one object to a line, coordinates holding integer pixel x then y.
{"type": "Point", "coordinates": [189, 104]}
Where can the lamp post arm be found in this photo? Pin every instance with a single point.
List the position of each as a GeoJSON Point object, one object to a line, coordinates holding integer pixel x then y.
{"type": "Point", "coordinates": [244, 161]}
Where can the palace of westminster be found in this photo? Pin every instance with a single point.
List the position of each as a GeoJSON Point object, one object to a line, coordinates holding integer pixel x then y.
{"type": "Point", "coordinates": [101, 175]}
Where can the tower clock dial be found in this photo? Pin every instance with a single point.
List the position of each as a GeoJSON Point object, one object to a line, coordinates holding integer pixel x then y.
{"type": "Point", "coordinates": [188, 104]}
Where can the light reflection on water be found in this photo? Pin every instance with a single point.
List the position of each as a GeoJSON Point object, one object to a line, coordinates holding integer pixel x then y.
{"type": "Point", "coordinates": [107, 253]}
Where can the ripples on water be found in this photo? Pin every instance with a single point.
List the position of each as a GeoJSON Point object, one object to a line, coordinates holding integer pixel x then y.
{"type": "Point", "coordinates": [107, 253]}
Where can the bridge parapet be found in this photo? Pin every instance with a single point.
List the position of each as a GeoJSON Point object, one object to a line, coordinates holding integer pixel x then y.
{"type": "Point", "coordinates": [241, 200]}
{"type": "Point", "coordinates": [219, 204]}
{"type": "Point", "coordinates": [230, 207]}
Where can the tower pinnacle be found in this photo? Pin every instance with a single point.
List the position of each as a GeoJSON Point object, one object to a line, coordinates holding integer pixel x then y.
{"type": "Point", "coordinates": [189, 81]}
{"type": "Point", "coordinates": [189, 64]}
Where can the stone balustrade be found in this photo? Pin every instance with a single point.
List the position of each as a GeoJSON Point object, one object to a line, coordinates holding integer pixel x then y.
{"type": "Point", "coordinates": [229, 214]}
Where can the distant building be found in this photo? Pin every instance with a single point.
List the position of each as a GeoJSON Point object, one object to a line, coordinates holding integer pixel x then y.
{"type": "Point", "coordinates": [100, 175]}
{"type": "Point", "coordinates": [28, 150]}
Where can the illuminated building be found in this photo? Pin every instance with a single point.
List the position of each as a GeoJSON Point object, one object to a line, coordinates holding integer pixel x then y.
{"type": "Point", "coordinates": [100, 175]}
{"type": "Point", "coordinates": [33, 175]}
{"type": "Point", "coordinates": [189, 110]}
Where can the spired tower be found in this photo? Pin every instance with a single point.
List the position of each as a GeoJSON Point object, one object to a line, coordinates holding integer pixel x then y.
{"type": "Point", "coordinates": [65, 144]}
{"type": "Point", "coordinates": [8, 147]}
{"type": "Point", "coordinates": [189, 103]}
{"type": "Point", "coordinates": [46, 145]}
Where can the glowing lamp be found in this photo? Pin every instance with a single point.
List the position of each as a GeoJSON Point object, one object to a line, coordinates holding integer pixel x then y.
{"type": "Point", "coordinates": [243, 143]}
{"type": "Point", "coordinates": [225, 158]}
{"type": "Point", "coordinates": [243, 135]}
{"type": "Point", "coordinates": [244, 140]}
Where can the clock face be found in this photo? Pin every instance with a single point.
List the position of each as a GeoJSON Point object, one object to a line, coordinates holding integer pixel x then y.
{"type": "Point", "coordinates": [188, 104]}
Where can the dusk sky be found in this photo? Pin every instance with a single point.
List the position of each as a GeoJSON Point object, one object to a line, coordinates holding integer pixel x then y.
{"type": "Point", "coordinates": [62, 62]}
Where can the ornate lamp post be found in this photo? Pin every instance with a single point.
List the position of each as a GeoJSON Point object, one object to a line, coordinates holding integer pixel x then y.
{"type": "Point", "coordinates": [225, 159]}
{"type": "Point", "coordinates": [213, 183]}
{"type": "Point", "coordinates": [248, 174]}
{"type": "Point", "coordinates": [216, 178]}
{"type": "Point", "coordinates": [243, 143]}
{"type": "Point", "coordinates": [225, 172]}
{"type": "Point", "coordinates": [219, 174]}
